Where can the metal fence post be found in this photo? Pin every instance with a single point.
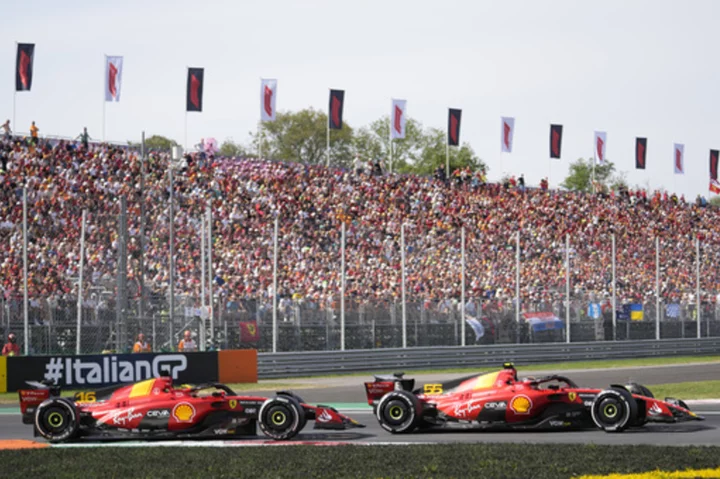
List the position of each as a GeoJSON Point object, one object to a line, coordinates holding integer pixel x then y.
{"type": "Point", "coordinates": [121, 302]}
{"type": "Point", "coordinates": [26, 326]}
{"type": "Point", "coordinates": [171, 309]}
{"type": "Point", "coordinates": [80, 283]}
{"type": "Point", "coordinates": [142, 308]}
{"type": "Point", "coordinates": [209, 268]}
{"type": "Point", "coordinates": [657, 288]}
{"type": "Point", "coordinates": [697, 284]}
{"type": "Point", "coordinates": [274, 311]}
{"type": "Point", "coordinates": [517, 279]}
{"type": "Point", "coordinates": [402, 266]}
{"type": "Point", "coordinates": [342, 287]}
{"type": "Point", "coordinates": [614, 290]}
{"type": "Point", "coordinates": [567, 287]}
{"type": "Point", "coordinates": [202, 262]}
{"type": "Point", "coordinates": [462, 287]}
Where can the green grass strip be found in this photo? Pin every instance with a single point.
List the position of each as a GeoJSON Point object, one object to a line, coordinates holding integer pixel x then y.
{"type": "Point", "coordinates": [562, 366]}
{"type": "Point", "coordinates": [436, 461]}
{"type": "Point", "coordinates": [689, 390]}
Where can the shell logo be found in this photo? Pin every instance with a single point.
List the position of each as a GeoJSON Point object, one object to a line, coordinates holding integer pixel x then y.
{"type": "Point", "coordinates": [183, 412]}
{"type": "Point", "coordinates": [521, 404]}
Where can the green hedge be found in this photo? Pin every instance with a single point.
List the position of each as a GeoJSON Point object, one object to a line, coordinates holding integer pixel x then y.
{"type": "Point", "coordinates": [447, 460]}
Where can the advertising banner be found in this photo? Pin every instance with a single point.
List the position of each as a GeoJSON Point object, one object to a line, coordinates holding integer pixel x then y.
{"type": "Point", "coordinates": [96, 371]}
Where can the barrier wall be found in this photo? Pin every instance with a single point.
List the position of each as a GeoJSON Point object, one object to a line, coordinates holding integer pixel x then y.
{"type": "Point", "coordinates": [97, 371]}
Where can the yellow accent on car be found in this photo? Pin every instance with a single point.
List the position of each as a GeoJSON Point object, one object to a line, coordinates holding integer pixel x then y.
{"type": "Point", "coordinates": [688, 474]}
{"type": "Point", "coordinates": [486, 381]}
{"type": "Point", "coordinates": [141, 389]}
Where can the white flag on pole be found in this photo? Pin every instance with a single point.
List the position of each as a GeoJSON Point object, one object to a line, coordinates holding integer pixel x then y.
{"type": "Point", "coordinates": [507, 130]}
{"type": "Point", "coordinates": [397, 119]}
{"type": "Point", "coordinates": [113, 78]}
{"type": "Point", "coordinates": [600, 144]}
{"type": "Point", "coordinates": [268, 95]}
{"type": "Point", "coordinates": [679, 158]}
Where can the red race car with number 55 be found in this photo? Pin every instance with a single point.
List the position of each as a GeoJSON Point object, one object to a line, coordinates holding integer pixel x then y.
{"type": "Point", "coordinates": [155, 409]}
{"type": "Point", "coordinates": [500, 400]}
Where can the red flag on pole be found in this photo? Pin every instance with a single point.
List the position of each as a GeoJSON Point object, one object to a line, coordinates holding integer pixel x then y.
{"type": "Point", "coordinates": [679, 158]}
{"type": "Point", "coordinates": [113, 78]}
{"type": "Point", "coordinates": [556, 132]}
{"type": "Point", "coordinates": [713, 164]}
{"type": "Point", "coordinates": [640, 153]}
{"type": "Point", "coordinates": [195, 83]}
{"type": "Point", "coordinates": [600, 144]}
{"type": "Point", "coordinates": [24, 66]}
{"type": "Point", "coordinates": [507, 131]}
{"type": "Point", "coordinates": [454, 116]}
{"type": "Point", "coordinates": [268, 95]}
{"type": "Point", "coordinates": [397, 119]}
{"type": "Point", "coordinates": [335, 116]}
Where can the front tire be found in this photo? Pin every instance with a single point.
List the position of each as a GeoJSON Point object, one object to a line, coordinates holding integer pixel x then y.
{"type": "Point", "coordinates": [614, 410]}
{"type": "Point", "coordinates": [280, 418]}
{"type": "Point", "coordinates": [399, 412]}
{"type": "Point", "coordinates": [56, 419]}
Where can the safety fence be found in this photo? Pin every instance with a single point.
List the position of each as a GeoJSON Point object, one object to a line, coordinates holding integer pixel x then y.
{"type": "Point", "coordinates": [282, 365]}
{"type": "Point", "coordinates": [244, 277]}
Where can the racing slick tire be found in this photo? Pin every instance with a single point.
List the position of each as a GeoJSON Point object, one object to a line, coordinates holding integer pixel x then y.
{"type": "Point", "coordinates": [281, 418]}
{"type": "Point", "coordinates": [399, 412]}
{"type": "Point", "coordinates": [614, 410]}
{"type": "Point", "coordinates": [57, 420]}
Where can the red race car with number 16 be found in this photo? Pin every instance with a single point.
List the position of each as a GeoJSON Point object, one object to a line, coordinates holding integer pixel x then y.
{"type": "Point", "coordinates": [155, 409]}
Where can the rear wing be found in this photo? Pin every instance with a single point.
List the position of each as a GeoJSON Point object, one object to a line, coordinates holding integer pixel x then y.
{"type": "Point", "coordinates": [30, 399]}
{"type": "Point", "coordinates": [384, 384]}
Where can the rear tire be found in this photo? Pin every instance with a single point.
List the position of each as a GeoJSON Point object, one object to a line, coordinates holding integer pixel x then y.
{"type": "Point", "coordinates": [399, 412]}
{"type": "Point", "coordinates": [57, 420]}
{"type": "Point", "coordinates": [281, 418]}
{"type": "Point", "coordinates": [614, 410]}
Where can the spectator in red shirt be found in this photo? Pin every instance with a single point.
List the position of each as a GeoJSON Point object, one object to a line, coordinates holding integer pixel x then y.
{"type": "Point", "coordinates": [11, 348]}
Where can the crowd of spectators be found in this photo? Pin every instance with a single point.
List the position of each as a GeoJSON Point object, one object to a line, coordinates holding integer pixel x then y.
{"type": "Point", "coordinates": [311, 202]}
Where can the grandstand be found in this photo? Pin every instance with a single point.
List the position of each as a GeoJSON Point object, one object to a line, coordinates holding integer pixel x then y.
{"type": "Point", "coordinates": [311, 203]}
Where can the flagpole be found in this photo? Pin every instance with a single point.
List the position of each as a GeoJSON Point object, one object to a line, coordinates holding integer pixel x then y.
{"type": "Point", "coordinates": [391, 151]}
{"type": "Point", "coordinates": [187, 72]}
{"type": "Point", "coordinates": [15, 88]}
{"type": "Point", "coordinates": [327, 142]}
{"type": "Point", "coordinates": [260, 139]}
{"type": "Point", "coordinates": [103, 101]}
{"type": "Point", "coordinates": [447, 160]}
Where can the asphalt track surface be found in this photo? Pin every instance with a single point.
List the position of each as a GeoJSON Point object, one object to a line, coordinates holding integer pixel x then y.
{"type": "Point", "coordinates": [350, 390]}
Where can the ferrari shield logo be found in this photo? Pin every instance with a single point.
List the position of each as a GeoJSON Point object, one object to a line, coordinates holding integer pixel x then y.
{"type": "Point", "coordinates": [572, 397]}
{"type": "Point", "coordinates": [252, 329]}
{"type": "Point", "coordinates": [232, 403]}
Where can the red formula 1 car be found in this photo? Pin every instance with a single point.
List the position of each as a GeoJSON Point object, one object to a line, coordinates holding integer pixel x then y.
{"type": "Point", "coordinates": [499, 400]}
{"type": "Point", "coordinates": [156, 409]}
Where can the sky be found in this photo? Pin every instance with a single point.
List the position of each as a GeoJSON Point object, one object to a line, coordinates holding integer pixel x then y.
{"type": "Point", "coordinates": [628, 67]}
